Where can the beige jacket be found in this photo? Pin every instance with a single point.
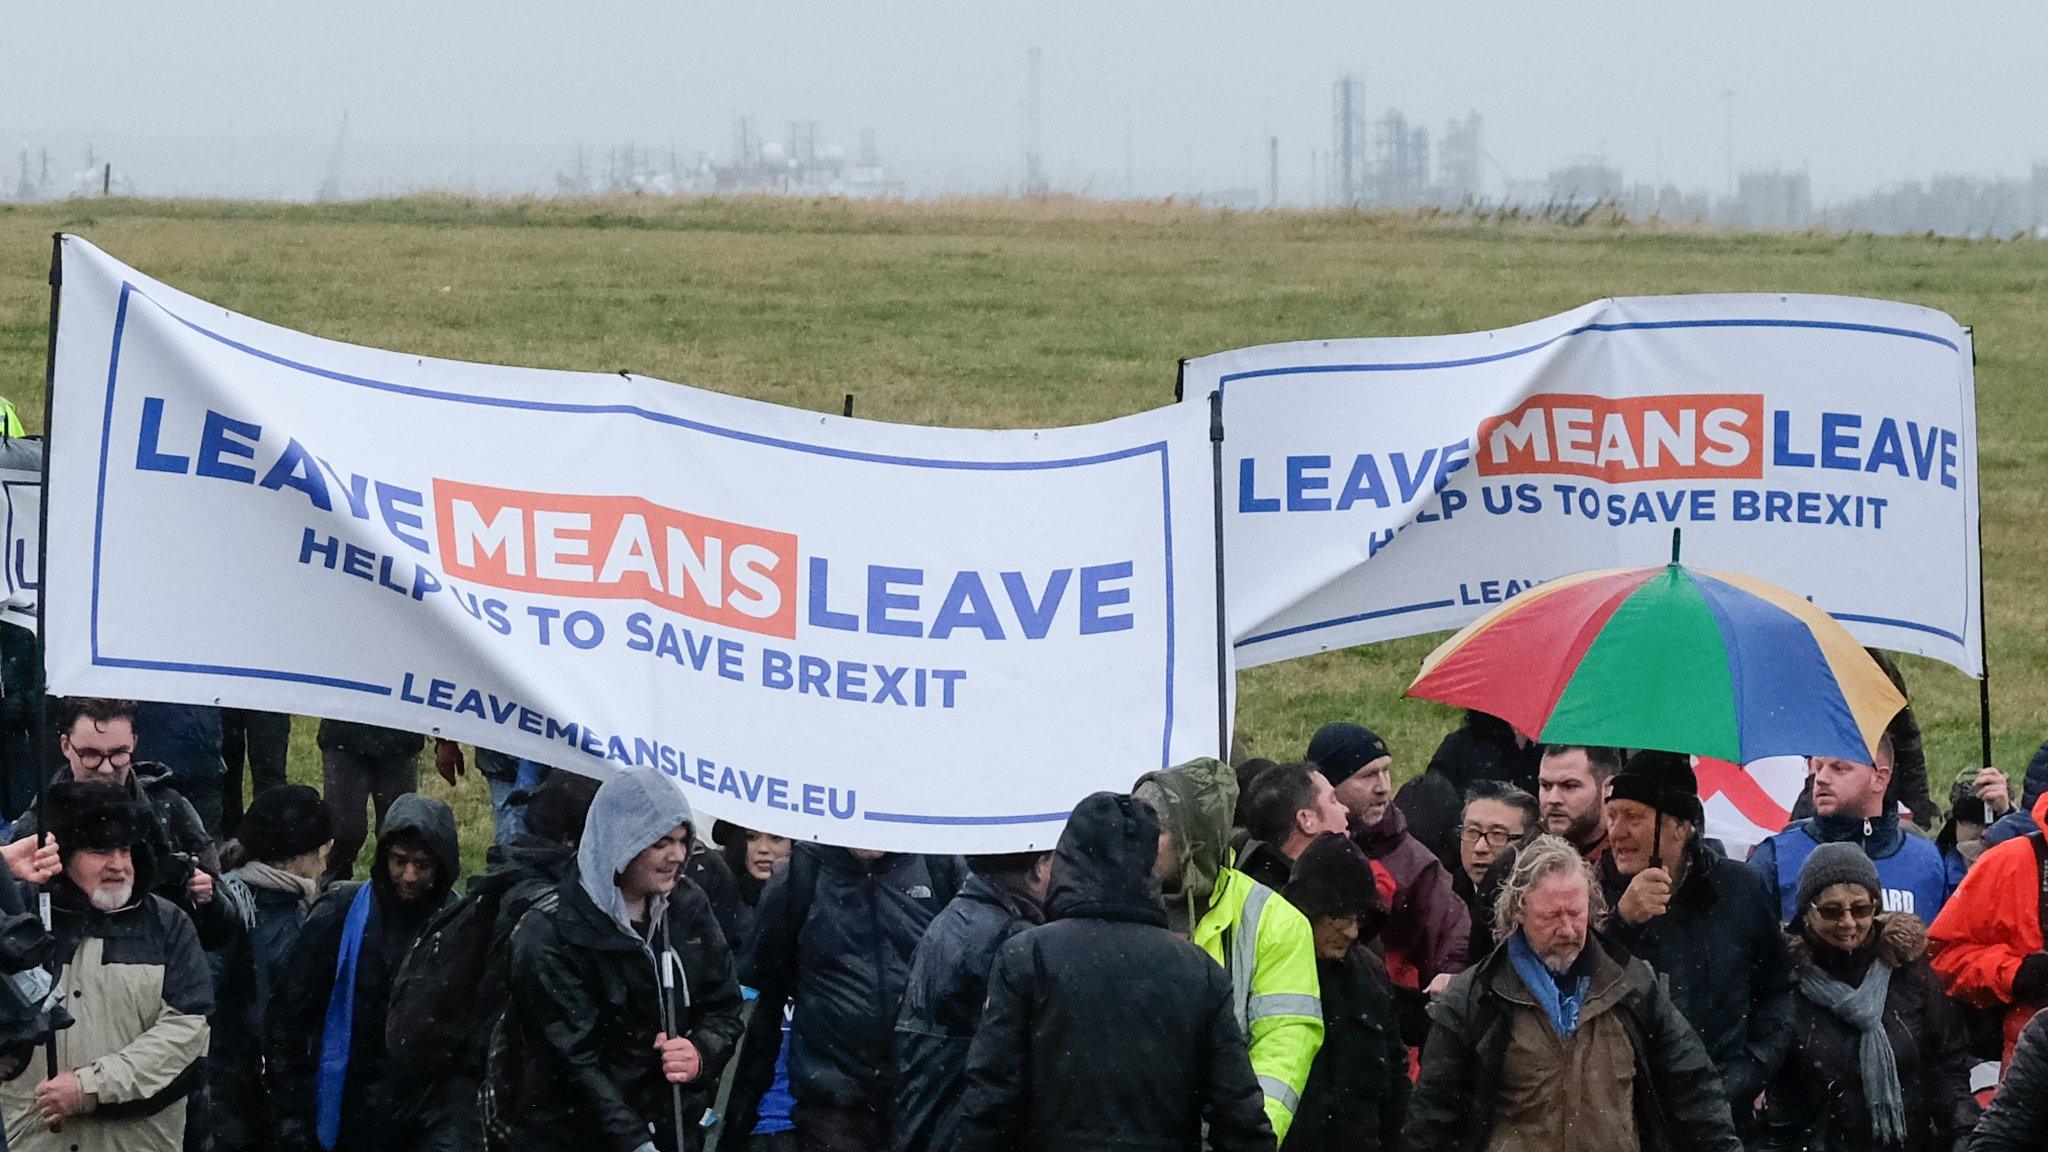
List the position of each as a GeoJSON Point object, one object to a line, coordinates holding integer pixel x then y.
{"type": "Point", "coordinates": [138, 988]}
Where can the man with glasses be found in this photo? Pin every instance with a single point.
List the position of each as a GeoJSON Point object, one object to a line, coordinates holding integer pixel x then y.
{"type": "Point", "coordinates": [1496, 816]}
{"type": "Point", "coordinates": [97, 738]}
{"type": "Point", "coordinates": [1571, 805]}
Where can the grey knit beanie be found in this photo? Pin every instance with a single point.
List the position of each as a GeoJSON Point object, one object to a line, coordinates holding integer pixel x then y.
{"type": "Point", "coordinates": [1833, 864]}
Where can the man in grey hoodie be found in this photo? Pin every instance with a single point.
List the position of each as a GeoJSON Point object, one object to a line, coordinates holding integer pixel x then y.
{"type": "Point", "coordinates": [624, 1008]}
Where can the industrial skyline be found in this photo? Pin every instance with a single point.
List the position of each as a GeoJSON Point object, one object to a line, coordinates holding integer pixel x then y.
{"type": "Point", "coordinates": [1804, 116]}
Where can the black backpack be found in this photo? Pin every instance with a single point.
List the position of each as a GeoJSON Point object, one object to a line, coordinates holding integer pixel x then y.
{"type": "Point", "coordinates": [503, 1055]}
{"type": "Point", "coordinates": [435, 1015]}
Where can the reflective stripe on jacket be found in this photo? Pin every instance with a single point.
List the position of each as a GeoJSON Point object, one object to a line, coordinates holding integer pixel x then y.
{"type": "Point", "coordinates": [1270, 952]}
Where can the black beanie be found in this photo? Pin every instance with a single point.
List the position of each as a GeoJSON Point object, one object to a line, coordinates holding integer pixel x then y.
{"type": "Point", "coordinates": [1333, 878]}
{"type": "Point", "coordinates": [285, 822]}
{"type": "Point", "coordinates": [556, 810]}
{"type": "Point", "coordinates": [1662, 780]}
{"type": "Point", "coordinates": [1341, 749]}
{"type": "Point", "coordinates": [89, 816]}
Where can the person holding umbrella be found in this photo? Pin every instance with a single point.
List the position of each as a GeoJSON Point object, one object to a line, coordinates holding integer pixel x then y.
{"type": "Point", "coordinates": [1687, 663]}
{"type": "Point", "coordinates": [1706, 923]}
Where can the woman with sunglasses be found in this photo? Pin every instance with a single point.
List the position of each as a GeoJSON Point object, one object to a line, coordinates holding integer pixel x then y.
{"type": "Point", "coordinates": [1878, 1060]}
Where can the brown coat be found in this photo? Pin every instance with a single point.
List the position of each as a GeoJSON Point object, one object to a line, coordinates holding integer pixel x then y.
{"type": "Point", "coordinates": [1557, 1095]}
{"type": "Point", "coordinates": [1633, 1077]}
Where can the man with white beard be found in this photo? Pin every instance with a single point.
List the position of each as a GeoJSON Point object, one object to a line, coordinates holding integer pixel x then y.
{"type": "Point", "coordinates": [1554, 1043]}
{"type": "Point", "coordinates": [134, 980]}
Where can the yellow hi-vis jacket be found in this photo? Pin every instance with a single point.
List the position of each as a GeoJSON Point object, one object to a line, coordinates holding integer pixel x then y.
{"type": "Point", "coordinates": [1268, 949]}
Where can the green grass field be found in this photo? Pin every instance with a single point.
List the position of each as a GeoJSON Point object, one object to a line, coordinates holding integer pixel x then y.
{"type": "Point", "coordinates": [1000, 313]}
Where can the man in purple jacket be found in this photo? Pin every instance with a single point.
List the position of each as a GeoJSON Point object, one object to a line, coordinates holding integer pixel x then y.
{"type": "Point", "coordinates": [1428, 928]}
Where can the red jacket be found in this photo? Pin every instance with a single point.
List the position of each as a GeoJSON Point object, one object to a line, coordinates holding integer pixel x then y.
{"type": "Point", "coordinates": [1991, 924]}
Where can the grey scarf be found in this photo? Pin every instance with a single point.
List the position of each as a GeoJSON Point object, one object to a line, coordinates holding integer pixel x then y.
{"type": "Point", "coordinates": [257, 874]}
{"type": "Point", "coordinates": [1863, 1009]}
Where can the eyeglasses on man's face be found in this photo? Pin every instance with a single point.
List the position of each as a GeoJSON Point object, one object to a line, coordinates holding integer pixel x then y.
{"type": "Point", "coordinates": [1498, 837]}
{"type": "Point", "coordinates": [95, 757]}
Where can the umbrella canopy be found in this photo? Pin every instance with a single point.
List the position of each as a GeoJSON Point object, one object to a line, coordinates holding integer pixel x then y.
{"type": "Point", "coordinates": [1671, 658]}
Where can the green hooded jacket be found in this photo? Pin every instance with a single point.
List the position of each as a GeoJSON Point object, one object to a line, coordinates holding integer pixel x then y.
{"type": "Point", "coordinates": [1261, 939]}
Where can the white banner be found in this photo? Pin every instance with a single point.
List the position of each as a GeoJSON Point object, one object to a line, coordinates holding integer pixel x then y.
{"type": "Point", "coordinates": [21, 502]}
{"type": "Point", "coordinates": [891, 637]}
{"type": "Point", "coordinates": [1385, 488]}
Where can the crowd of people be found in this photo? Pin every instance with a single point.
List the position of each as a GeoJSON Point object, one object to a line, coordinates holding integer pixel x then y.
{"type": "Point", "coordinates": [1525, 947]}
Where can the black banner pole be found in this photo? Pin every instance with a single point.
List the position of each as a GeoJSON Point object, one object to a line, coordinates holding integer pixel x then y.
{"type": "Point", "coordinates": [1983, 629]}
{"type": "Point", "coordinates": [1222, 613]}
{"type": "Point", "coordinates": [36, 759]}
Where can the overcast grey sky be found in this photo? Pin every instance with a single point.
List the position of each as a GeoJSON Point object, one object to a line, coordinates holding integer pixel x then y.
{"type": "Point", "coordinates": [246, 96]}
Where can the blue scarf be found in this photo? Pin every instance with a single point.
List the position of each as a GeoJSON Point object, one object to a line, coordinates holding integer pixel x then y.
{"type": "Point", "coordinates": [1561, 1007]}
{"type": "Point", "coordinates": [337, 1036]}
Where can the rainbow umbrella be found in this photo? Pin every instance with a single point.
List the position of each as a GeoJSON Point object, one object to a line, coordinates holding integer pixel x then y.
{"type": "Point", "coordinates": [1671, 658]}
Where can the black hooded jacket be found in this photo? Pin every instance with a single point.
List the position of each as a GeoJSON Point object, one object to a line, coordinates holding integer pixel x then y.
{"type": "Point", "coordinates": [298, 1013]}
{"type": "Point", "coordinates": [442, 1063]}
{"type": "Point", "coordinates": [942, 1007]}
{"type": "Point", "coordinates": [1104, 1030]}
{"type": "Point", "coordinates": [523, 872]}
{"type": "Point", "coordinates": [574, 1066]}
{"type": "Point", "coordinates": [577, 1074]}
{"type": "Point", "coordinates": [836, 933]}
{"type": "Point", "coordinates": [1816, 1100]}
{"type": "Point", "coordinates": [1483, 747]}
